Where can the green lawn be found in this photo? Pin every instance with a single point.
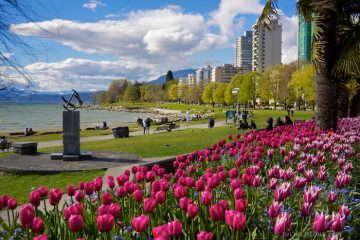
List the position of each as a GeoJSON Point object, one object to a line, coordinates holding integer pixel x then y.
{"type": "Point", "coordinates": [20, 186]}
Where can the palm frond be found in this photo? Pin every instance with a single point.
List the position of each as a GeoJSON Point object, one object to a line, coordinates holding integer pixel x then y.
{"type": "Point", "coordinates": [304, 8]}
{"type": "Point", "coordinates": [269, 15]}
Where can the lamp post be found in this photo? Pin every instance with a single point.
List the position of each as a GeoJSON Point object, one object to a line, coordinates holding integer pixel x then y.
{"type": "Point", "coordinates": [236, 91]}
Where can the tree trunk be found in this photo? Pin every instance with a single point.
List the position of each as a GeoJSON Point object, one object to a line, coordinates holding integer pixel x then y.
{"type": "Point", "coordinates": [343, 101]}
{"type": "Point", "coordinates": [275, 105]}
{"type": "Point", "coordinates": [355, 105]}
{"type": "Point", "coordinates": [254, 102]}
{"type": "Point", "coordinates": [326, 86]}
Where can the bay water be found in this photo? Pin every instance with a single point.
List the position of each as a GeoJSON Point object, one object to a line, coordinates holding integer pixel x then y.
{"type": "Point", "coordinates": [16, 116]}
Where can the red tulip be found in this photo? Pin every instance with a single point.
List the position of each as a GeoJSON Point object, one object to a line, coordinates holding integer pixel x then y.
{"type": "Point", "coordinates": [240, 205]}
{"type": "Point", "coordinates": [79, 195]}
{"type": "Point", "coordinates": [12, 203]}
{"type": "Point", "coordinates": [206, 197]}
{"type": "Point", "coordinates": [192, 210]}
{"type": "Point", "coordinates": [27, 215]}
{"type": "Point", "coordinates": [321, 223]}
{"type": "Point", "coordinates": [216, 213]}
{"type": "Point", "coordinates": [140, 223]}
{"type": "Point", "coordinates": [34, 198]}
{"type": "Point", "coordinates": [70, 190]}
{"type": "Point", "coordinates": [37, 225]}
{"type": "Point", "coordinates": [174, 228]}
{"type": "Point", "coordinates": [235, 219]}
{"type": "Point", "coordinates": [283, 225]}
{"type": "Point", "coordinates": [138, 195]}
{"type": "Point", "coordinates": [55, 196]}
{"type": "Point", "coordinates": [149, 205]}
{"type": "Point", "coordinates": [41, 237]}
{"type": "Point", "coordinates": [76, 223]}
{"type": "Point", "coordinates": [203, 235]}
{"type": "Point", "coordinates": [106, 198]}
{"type": "Point", "coordinates": [105, 223]}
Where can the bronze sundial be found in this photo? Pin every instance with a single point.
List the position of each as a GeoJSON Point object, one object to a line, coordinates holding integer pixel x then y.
{"type": "Point", "coordinates": [72, 106]}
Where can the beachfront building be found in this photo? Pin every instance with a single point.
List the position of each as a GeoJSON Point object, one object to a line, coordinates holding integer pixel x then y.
{"type": "Point", "coordinates": [191, 79]}
{"type": "Point", "coordinates": [304, 40]}
{"type": "Point", "coordinates": [243, 52]}
{"type": "Point", "coordinates": [224, 73]}
{"type": "Point", "coordinates": [266, 47]}
{"type": "Point", "coordinates": [203, 75]}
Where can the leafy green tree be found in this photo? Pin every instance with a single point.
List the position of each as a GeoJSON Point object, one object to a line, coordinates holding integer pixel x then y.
{"type": "Point", "coordinates": [303, 84]}
{"type": "Point", "coordinates": [219, 93]}
{"type": "Point", "coordinates": [154, 93]}
{"type": "Point", "coordinates": [116, 90]}
{"type": "Point", "coordinates": [132, 93]}
{"type": "Point", "coordinates": [208, 94]}
{"type": "Point", "coordinates": [235, 82]}
{"type": "Point", "coordinates": [173, 93]}
{"type": "Point", "coordinates": [248, 89]}
{"type": "Point", "coordinates": [335, 49]}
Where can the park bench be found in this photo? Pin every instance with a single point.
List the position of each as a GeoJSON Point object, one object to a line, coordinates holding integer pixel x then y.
{"type": "Point", "coordinates": [25, 148]}
{"type": "Point", "coordinates": [6, 146]}
{"type": "Point", "coordinates": [166, 128]}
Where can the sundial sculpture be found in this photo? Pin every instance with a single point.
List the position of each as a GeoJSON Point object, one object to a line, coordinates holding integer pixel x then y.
{"type": "Point", "coordinates": [71, 131]}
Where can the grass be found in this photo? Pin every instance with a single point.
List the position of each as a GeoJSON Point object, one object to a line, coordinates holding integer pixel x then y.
{"type": "Point", "coordinates": [20, 186]}
{"type": "Point", "coordinates": [160, 144]}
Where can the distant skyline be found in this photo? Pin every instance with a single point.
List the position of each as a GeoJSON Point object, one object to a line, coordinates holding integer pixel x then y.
{"type": "Point", "coordinates": [86, 44]}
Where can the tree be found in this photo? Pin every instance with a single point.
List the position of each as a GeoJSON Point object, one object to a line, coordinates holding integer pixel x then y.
{"type": "Point", "coordinates": [12, 11]}
{"type": "Point", "coordinates": [248, 87]}
{"type": "Point", "coordinates": [154, 93]}
{"type": "Point", "coordinates": [116, 90]}
{"type": "Point", "coordinates": [173, 93]}
{"type": "Point", "coordinates": [303, 85]}
{"type": "Point", "coordinates": [208, 94]}
{"type": "Point", "coordinates": [132, 93]}
{"type": "Point", "coordinates": [335, 49]}
{"type": "Point", "coordinates": [219, 93]}
{"type": "Point", "coordinates": [169, 76]}
{"type": "Point", "coordinates": [235, 82]}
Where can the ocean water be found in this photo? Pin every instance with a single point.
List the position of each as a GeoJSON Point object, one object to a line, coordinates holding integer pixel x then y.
{"type": "Point", "coordinates": [16, 116]}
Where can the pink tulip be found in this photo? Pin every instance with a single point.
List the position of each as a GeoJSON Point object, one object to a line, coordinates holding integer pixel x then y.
{"type": "Point", "coordinates": [283, 225]}
{"type": "Point", "coordinates": [321, 223]}
{"type": "Point", "coordinates": [11, 203]}
{"type": "Point", "coordinates": [76, 209]}
{"type": "Point", "coordinates": [299, 182]}
{"type": "Point", "coordinates": [34, 198]}
{"type": "Point", "coordinates": [331, 196]}
{"type": "Point", "coordinates": [149, 205]}
{"type": "Point", "coordinates": [235, 219]}
{"type": "Point", "coordinates": [138, 195]}
{"type": "Point", "coordinates": [206, 197]}
{"type": "Point", "coordinates": [257, 180]}
{"type": "Point", "coordinates": [55, 196]}
{"type": "Point", "coordinates": [120, 192]}
{"type": "Point", "coordinates": [239, 193]}
{"type": "Point", "coordinates": [344, 210]}
{"type": "Point", "coordinates": [184, 202]}
{"type": "Point", "coordinates": [43, 192]}
{"type": "Point", "coordinates": [66, 213]}
{"type": "Point", "coordinates": [224, 204]}
{"type": "Point", "coordinates": [192, 210]}
{"type": "Point", "coordinates": [174, 228]}
{"type": "Point", "coordinates": [180, 192]}
{"type": "Point", "coordinates": [160, 233]}
{"type": "Point", "coordinates": [337, 222]}
{"type": "Point", "coordinates": [274, 209]}
{"type": "Point", "coordinates": [272, 183]}
{"type": "Point", "coordinates": [70, 190]}
{"type": "Point", "coordinates": [306, 208]}
{"type": "Point", "coordinates": [41, 237]}
{"type": "Point", "coordinates": [203, 235]}
{"type": "Point", "coordinates": [282, 191]}
{"type": "Point", "coordinates": [155, 186]}
{"type": "Point", "coordinates": [81, 185]}
{"type": "Point", "coordinates": [309, 174]}
{"type": "Point", "coordinates": [233, 173]}
{"type": "Point", "coordinates": [311, 194]}
{"type": "Point", "coordinates": [103, 209]}
{"type": "Point", "coordinates": [334, 237]}
{"type": "Point", "coordinates": [105, 223]}
{"type": "Point", "coordinates": [106, 198]}
{"type": "Point", "coordinates": [140, 223]}
{"type": "Point", "coordinates": [89, 188]}
{"type": "Point", "coordinates": [139, 177]}
{"type": "Point", "coordinates": [216, 213]}
{"type": "Point", "coordinates": [160, 197]}
{"type": "Point", "coordinates": [150, 176]}
{"type": "Point", "coordinates": [76, 223]}
{"type": "Point", "coordinates": [79, 195]}
{"type": "Point", "coordinates": [240, 205]}
{"type": "Point", "coordinates": [129, 187]}
{"type": "Point", "coordinates": [235, 183]}
{"type": "Point", "coordinates": [115, 210]}
{"type": "Point", "coordinates": [121, 179]}
{"type": "Point", "coordinates": [27, 215]}
{"type": "Point", "coordinates": [98, 184]}
{"type": "Point", "coordinates": [37, 225]}
{"type": "Point", "coordinates": [110, 182]}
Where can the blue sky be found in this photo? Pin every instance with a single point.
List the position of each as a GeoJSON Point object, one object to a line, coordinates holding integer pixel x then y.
{"type": "Point", "coordinates": [84, 44]}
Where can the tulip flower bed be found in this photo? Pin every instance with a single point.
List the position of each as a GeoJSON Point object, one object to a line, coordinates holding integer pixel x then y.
{"type": "Point", "coordinates": [293, 182]}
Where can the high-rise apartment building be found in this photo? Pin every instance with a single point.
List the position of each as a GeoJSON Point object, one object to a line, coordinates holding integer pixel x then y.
{"type": "Point", "coordinates": [243, 55]}
{"type": "Point", "coordinates": [224, 73]}
{"type": "Point", "coordinates": [304, 40]}
{"type": "Point", "coordinates": [266, 47]}
{"type": "Point", "coordinates": [203, 75]}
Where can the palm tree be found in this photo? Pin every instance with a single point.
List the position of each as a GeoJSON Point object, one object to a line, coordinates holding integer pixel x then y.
{"type": "Point", "coordinates": [335, 49]}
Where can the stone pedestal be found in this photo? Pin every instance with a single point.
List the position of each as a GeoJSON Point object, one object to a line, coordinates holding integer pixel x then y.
{"type": "Point", "coordinates": [71, 138]}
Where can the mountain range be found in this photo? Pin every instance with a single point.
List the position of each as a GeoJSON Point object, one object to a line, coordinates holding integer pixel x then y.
{"type": "Point", "coordinates": [176, 75]}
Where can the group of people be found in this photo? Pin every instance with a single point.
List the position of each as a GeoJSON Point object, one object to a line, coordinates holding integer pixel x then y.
{"type": "Point", "coordinates": [3, 143]}
{"type": "Point", "coordinates": [243, 124]}
{"type": "Point", "coordinates": [29, 132]}
{"type": "Point", "coordinates": [278, 123]}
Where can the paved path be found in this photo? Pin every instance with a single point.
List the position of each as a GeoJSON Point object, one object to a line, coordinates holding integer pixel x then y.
{"type": "Point", "coordinates": [56, 143]}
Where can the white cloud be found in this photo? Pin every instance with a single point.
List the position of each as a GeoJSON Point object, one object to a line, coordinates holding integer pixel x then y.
{"type": "Point", "coordinates": [289, 38]}
{"type": "Point", "coordinates": [226, 17]}
{"type": "Point", "coordinates": [93, 4]}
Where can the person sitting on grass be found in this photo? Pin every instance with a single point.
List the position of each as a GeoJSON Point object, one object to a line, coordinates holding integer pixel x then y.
{"type": "Point", "coordinates": [31, 132]}
{"type": "Point", "coordinates": [269, 124]}
{"type": "Point", "coordinates": [288, 120]}
{"type": "Point", "coordinates": [252, 124]}
{"type": "Point", "coordinates": [3, 143]}
{"type": "Point", "coordinates": [241, 125]}
{"type": "Point", "coordinates": [278, 123]}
